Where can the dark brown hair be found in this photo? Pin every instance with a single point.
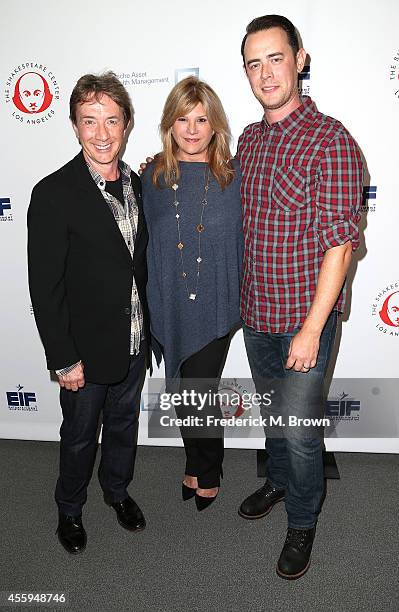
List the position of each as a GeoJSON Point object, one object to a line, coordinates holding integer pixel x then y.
{"type": "Point", "coordinates": [98, 85]}
{"type": "Point", "coordinates": [272, 21]}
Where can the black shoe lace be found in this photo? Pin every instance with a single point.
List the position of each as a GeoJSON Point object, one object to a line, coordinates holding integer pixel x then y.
{"type": "Point", "coordinates": [267, 488]}
{"type": "Point", "coordinates": [296, 537]}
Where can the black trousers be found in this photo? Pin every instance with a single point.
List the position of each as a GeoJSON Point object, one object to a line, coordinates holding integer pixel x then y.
{"type": "Point", "coordinates": [204, 453]}
{"type": "Point", "coordinates": [120, 406]}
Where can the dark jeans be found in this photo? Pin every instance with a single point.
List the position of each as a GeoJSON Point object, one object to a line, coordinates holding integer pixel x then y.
{"type": "Point", "coordinates": [295, 456]}
{"type": "Point", "coordinates": [120, 405]}
{"type": "Point", "coordinates": [204, 454]}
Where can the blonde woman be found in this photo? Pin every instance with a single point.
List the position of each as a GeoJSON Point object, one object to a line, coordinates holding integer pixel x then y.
{"type": "Point", "coordinates": [191, 195]}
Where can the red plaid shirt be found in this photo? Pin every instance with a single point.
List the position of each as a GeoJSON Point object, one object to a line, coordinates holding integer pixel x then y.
{"type": "Point", "coordinates": [301, 192]}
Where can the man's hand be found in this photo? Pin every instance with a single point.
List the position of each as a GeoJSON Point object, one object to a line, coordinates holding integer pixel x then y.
{"type": "Point", "coordinates": [304, 348]}
{"type": "Point", "coordinates": [74, 380]}
{"type": "Point", "coordinates": [143, 166]}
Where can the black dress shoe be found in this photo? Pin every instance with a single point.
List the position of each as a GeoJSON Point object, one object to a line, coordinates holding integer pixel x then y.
{"type": "Point", "coordinates": [187, 492]}
{"type": "Point", "coordinates": [261, 502]}
{"type": "Point", "coordinates": [203, 502]}
{"type": "Point", "coordinates": [129, 514]}
{"type": "Point", "coordinates": [71, 533]}
{"type": "Point", "coordinates": [294, 560]}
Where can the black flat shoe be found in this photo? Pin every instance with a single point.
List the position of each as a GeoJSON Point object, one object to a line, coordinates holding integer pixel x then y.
{"type": "Point", "coordinates": [187, 492]}
{"type": "Point", "coordinates": [71, 533]}
{"type": "Point", "coordinates": [203, 502]}
{"type": "Point", "coordinates": [129, 515]}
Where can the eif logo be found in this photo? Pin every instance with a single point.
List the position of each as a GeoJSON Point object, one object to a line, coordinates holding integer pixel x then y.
{"type": "Point", "coordinates": [305, 74]}
{"type": "Point", "coordinates": [343, 408]}
{"type": "Point", "coordinates": [5, 205]}
{"type": "Point", "coordinates": [21, 400]}
{"type": "Point", "coordinates": [304, 81]}
{"type": "Point", "coordinates": [369, 193]}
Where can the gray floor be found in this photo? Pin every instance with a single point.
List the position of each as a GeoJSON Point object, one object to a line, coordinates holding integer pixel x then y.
{"type": "Point", "coordinates": [212, 560]}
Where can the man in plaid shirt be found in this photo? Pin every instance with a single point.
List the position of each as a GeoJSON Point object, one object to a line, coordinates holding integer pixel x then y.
{"type": "Point", "coordinates": [301, 192]}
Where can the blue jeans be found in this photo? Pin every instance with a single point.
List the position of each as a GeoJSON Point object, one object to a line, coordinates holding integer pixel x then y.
{"type": "Point", "coordinates": [295, 457]}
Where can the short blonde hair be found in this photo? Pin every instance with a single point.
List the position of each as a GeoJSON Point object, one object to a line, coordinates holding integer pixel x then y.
{"type": "Point", "coordinates": [183, 98]}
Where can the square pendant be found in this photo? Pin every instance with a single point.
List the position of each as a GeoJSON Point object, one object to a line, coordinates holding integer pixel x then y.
{"type": "Point", "coordinates": [192, 296]}
{"type": "Point", "coordinates": [174, 187]}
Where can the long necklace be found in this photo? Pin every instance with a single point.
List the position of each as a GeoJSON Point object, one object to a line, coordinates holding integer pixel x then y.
{"type": "Point", "coordinates": [199, 228]}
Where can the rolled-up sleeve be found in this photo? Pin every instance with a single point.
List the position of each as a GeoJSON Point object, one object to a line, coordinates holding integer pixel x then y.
{"type": "Point", "coordinates": [339, 193]}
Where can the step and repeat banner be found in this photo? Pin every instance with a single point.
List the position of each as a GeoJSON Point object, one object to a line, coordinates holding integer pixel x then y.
{"type": "Point", "coordinates": [352, 73]}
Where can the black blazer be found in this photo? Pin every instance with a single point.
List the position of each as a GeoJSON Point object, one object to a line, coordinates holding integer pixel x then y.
{"type": "Point", "coordinates": [80, 274]}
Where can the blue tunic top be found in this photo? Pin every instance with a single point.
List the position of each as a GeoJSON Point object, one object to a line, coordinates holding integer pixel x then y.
{"type": "Point", "coordinates": [182, 326]}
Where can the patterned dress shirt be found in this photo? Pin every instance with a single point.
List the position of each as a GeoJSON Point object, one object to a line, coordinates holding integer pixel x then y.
{"type": "Point", "coordinates": [301, 191]}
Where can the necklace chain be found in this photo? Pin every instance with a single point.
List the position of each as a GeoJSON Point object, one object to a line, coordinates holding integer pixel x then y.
{"type": "Point", "coordinates": [192, 295]}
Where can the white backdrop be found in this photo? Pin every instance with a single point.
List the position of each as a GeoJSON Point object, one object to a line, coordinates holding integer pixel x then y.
{"type": "Point", "coordinates": [354, 69]}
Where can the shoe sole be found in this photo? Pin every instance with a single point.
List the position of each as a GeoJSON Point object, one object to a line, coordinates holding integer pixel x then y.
{"type": "Point", "coordinates": [70, 552]}
{"type": "Point", "coordinates": [251, 517]}
{"type": "Point", "coordinates": [292, 576]}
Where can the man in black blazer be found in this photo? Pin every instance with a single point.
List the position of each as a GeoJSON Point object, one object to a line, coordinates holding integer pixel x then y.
{"type": "Point", "coordinates": [87, 276]}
